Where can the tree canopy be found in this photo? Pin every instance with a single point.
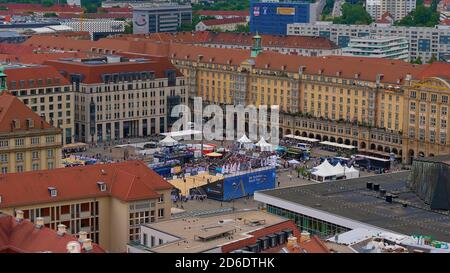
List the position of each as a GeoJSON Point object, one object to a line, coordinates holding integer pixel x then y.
{"type": "Point", "coordinates": [420, 17]}
{"type": "Point", "coordinates": [353, 15]}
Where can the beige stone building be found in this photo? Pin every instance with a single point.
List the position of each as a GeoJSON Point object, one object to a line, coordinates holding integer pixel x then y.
{"type": "Point", "coordinates": [119, 97]}
{"type": "Point", "coordinates": [27, 142]}
{"type": "Point", "coordinates": [108, 201]}
{"type": "Point", "coordinates": [45, 91]}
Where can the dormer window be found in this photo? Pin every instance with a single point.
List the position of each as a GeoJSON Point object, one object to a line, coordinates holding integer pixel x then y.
{"type": "Point", "coordinates": [30, 123]}
{"type": "Point", "coordinates": [16, 124]}
{"type": "Point", "coordinates": [101, 185]}
{"type": "Point", "coordinates": [53, 192]}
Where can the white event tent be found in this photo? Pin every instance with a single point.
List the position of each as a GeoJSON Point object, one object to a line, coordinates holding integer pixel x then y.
{"type": "Point", "coordinates": [264, 146]}
{"type": "Point", "coordinates": [327, 172]}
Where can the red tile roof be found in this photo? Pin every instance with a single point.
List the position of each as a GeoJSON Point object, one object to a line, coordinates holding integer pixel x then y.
{"type": "Point", "coordinates": [347, 67]}
{"type": "Point", "coordinates": [41, 8]}
{"type": "Point", "coordinates": [231, 38]}
{"type": "Point", "coordinates": [13, 109]}
{"type": "Point", "coordinates": [114, 15]}
{"type": "Point", "coordinates": [261, 232]}
{"type": "Point", "coordinates": [241, 13]}
{"type": "Point", "coordinates": [115, 10]}
{"type": "Point", "coordinates": [313, 245]}
{"type": "Point", "coordinates": [366, 68]}
{"type": "Point", "coordinates": [24, 237]}
{"type": "Point", "coordinates": [127, 181]}
{"type": "Point", "coordinates": [42, 72]}
{"type": "Point", "coordinates": [225, 21]}
{"type": "Point", "coordinates": [93, 72]}
{"type": "Point", "coordinates": [436, 69]}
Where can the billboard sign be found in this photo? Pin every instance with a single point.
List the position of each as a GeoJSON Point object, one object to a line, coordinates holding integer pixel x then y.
{"type": "Point", "coordinates": [246, 184]}
{"type": "Point", "coordinates": [285, 11]}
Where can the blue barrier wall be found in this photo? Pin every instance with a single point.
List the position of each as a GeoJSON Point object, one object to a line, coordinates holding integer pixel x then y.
{"type": "Point", "coordinates": [247, 184]}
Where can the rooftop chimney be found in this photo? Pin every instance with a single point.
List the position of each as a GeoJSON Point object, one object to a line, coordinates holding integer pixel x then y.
{"type": "Point", "coordinates": [291, 241]}
{"type": "Point", "coordinates": [82, 235]}
{"type": "Point", "coordinates": [304, 236]}
{"type": "Point", "coordinates": [61, 230]}
{"type": "Point", "coordinates": [39, 222]}
{"type": "Point", "coordinates": [87, 244]}
{"type": "Point", "coordinates": [73, 247]}
{"type": "Point", "coordinates": [19, 215]}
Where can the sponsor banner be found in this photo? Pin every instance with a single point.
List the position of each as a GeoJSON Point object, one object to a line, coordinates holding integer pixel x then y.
{"type": "Point", "coordinates": [286, 11]}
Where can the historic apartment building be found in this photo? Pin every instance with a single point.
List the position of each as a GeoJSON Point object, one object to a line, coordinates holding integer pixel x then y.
{"type": "Point", "coordinates": [118, 97]}
{"type": "Point", "coordinates": [106, 202]}
{"type": "Point", "coordinates": [359, 101]}
{"type": "Point", "coordinates": [356, 101]}
{"type": "Point", "coordinates": [45, 91]}
{"type": "Point", "coordinates": [27, 142]}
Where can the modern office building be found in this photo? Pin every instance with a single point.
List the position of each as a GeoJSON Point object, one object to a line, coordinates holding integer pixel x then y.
{"type": "Point", "coordinates": [160, 18]}
{"type": "Point", "coordinates": [378, 47]}
{"type": "Point", "coordinates": [272, 17]}
{"type": "Point", "coordinates": [396, 8]}
{"type": "Point", "coordinates": [107, 202]}
{"type": "Point", "coordinates": [118, 97]}
{"type": "Point", "coordinates": [97, 28]}
{"type": "Point", "coordinates": [46, 92]}
{"type": "Point", "coordinates": [424, 42]}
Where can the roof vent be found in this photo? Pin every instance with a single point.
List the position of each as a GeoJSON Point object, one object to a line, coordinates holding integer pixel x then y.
{"type": "Point", "coordinates": [87, 245]}
{"type": "Point", "coordinates": [53, 192]}
{"type": "Point", "coordinates": [19, 215]}
{"type": "Point", "coordinates": [73, 247]}
{"type": "Point", "coordinates": [82, 235]}
{"type": "Point", "coordinates": [39, 222]}
{"type": "Point", "coordinates": [357, 75]}
{"type": "Point", "coordinates": [103, 172]}
{"type": "Point", "coordinates": [61, 230]}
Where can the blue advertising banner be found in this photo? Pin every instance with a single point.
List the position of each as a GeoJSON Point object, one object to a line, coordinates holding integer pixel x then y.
{"type": "Point", "coordinates": [246, 184]}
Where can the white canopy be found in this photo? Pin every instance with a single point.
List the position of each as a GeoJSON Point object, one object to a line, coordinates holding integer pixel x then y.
{"type": "Point", "coordinates": [168, 141]}
{"type": "Point", "coordinates": [244, 139]}
{"type": "Point", "coordinates": [327, 172]}
{"type": "Point", "coordinates": [263, 145]}
{"type": "Point", "coordinates": [182, 133]}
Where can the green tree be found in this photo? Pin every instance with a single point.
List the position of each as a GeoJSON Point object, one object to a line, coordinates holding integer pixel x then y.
{"type": "Point", "coordinates": [243, 28]}
{"type": "Point", "coordinates": [129, 28]}
{"type": "Point", "coordinates": [432, 59]}
{"type": "Point", "coordinates": [420, 17]}
{"type": "Point", "coordinates": [50, 14]}
{"type": "Point", "coordinates": [353, 15]}
{"type": "Point", "coordinates": [417, 61]}
{"type": "Point", "coordinates": [47, 3]}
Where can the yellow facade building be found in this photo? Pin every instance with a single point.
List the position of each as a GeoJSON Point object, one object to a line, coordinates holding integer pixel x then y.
{"type": "Point", "coordinates": [106, 202]}
{"type": "Point", "coordinates": [27, 142]}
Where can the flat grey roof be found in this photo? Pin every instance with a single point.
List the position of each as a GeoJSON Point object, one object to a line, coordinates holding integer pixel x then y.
{"type": "Point", "coordinates": [351, 199]}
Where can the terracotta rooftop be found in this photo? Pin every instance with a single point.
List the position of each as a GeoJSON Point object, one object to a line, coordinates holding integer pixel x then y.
{"type": "Point", "coordinates": [29, 77]}
{"type": "Point", "coordinates": [231, 38]}
{"type": "Point", "coordinates": [225, 21]}
{"type": "Point", "coordinates": [313, 245]}
{"type": "Point", "coordinates": [41, 8]}
{"type": "Point", "coordinates": [241, 13]}
{"type": "Point", "coordinates": [127, 181]}
{"type": "Point", "coordinates": [393, 71]}
{"type": "Point", "coordinates": [23, 237]}
{"type": "Point", "coordinates": [92, 73]}
{"type": "Point", "coordinates": [15, 116]}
